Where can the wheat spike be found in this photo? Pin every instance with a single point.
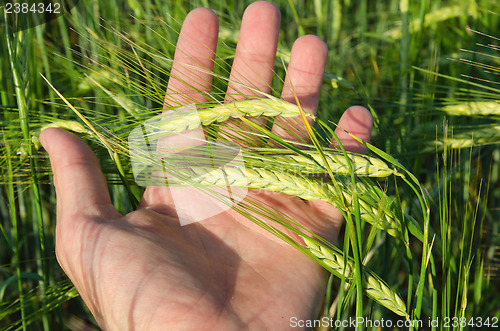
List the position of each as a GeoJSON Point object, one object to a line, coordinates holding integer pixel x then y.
{"type": "Point", "coordinates": [484, 136]}
{"type": "Point", "coordinates": [482, 108]}
{"type": "Point", "coordinates": [303, 187]}
{"type": "Point", "coordinates": [72, 126]}
{"type": "Point", "coordinates": [374, 287]}
{"type": "Point", "coordinates": [180, 121]}
{"type": "Point", "coordinates": [434, 17]}
{"type": "Point", "coordinates": [362, 165]}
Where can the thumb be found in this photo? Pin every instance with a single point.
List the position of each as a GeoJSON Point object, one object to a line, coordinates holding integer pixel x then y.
{"type": "Point", "coordinates": [80, 185]}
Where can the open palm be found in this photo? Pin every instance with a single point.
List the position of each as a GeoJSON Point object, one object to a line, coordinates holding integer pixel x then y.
{"type": "Point", "coordinates": [144, 271]}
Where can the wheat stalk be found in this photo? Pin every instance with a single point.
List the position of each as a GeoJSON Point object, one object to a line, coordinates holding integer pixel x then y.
{"type": "Point", "coordinates": [374, 287]}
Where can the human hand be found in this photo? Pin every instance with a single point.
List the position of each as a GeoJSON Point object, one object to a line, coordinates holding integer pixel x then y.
{"type": "Point", "coordinates": [144, 271]}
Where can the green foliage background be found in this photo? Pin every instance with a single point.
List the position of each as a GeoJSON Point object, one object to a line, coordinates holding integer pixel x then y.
{"type": "Point", "coordinates": [408, 66]}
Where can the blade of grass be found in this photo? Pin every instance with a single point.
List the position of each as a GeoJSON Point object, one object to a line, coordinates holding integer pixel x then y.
{"type": "Point", "coordinates": [22, 103]}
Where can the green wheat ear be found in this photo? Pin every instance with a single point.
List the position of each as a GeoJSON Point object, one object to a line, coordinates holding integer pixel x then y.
{"type": "Point", "coordinates": [374, 287]}
{"type": "Point", "coordinates": [72, 126]}
{"type": "Point", "coordinates": [474, 108]}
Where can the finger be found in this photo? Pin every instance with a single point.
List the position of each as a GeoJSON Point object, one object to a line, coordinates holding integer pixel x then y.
{"type": "Point", "coordinates": [256, 51]}
{"type": "Point", "coordinates": [190, 81]}
{"type": "Point", "coordinates": [253, 62]}
{"type": "Point", "coordinates": [78, 179]}
{"type": "Point", "coordinates": [305, 75]}
{"type": "Point", "coordinates": [191, 74]}
{"type": "Point", "coordinates": [192, 71]}
{"type": "Point", "coordinates": [357, 121]}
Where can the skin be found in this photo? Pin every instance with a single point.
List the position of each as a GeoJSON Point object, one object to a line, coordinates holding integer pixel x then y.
{"type": "Point", "coordinates": [143, 271]}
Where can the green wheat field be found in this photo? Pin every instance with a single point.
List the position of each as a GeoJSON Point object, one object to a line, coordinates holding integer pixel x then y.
{"type": "Point", "coordinates": [426, 241]}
